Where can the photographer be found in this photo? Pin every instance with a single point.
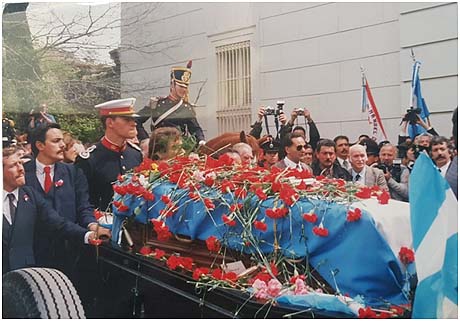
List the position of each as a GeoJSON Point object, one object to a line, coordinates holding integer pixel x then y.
{"type": "Point", "coordinates": [396, 175]}
{"type": "Point", "coordinates": [313, 130]}
{"type": "Point", "coordinates": [263, 112]}
{"type": "Point", "coordinates": [415, 119]}
{"type": "Point", "coordinates": [40, 119]}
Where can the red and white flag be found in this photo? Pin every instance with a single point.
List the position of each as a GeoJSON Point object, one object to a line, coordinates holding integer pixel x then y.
{"type": "Point", "coordinates": [377, 130]}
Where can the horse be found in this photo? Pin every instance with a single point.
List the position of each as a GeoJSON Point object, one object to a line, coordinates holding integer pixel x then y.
{"type": "Point", "coordinates": [228, 140]}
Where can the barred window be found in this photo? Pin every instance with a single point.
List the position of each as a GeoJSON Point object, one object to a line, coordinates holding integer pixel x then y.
{"type": "Point", "coordinates": [234, 86]}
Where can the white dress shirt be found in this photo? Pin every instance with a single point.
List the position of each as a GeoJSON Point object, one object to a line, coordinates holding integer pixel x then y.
{"type": "Point", "coordinates": [444, 169]}
{"type": "Point", "coordinates": [41, 173]}
{"type": "Point", "coordinates": [347, 165]}
{"type": "Point", "coordinates": [6, 203]}
{"type": "Point", "coordinates": [291, 164]}
{"type": "Point", "coordinates": [362, 174]}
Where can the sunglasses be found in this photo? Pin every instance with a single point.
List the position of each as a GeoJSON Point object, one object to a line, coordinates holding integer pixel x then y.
{"type": "Point", "coordinates": [299, 147]}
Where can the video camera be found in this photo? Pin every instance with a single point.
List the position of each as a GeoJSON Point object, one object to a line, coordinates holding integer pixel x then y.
{"type": "Point", "coordinates": [411, 115]}
{"type": "Point", "coordinates": [276, 112]}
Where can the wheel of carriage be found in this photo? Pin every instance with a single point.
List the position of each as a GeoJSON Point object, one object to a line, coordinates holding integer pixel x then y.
{"type": "Point", "coordinates": [40, 293]}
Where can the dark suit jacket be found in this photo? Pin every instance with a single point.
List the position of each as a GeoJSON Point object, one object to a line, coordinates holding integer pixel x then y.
{"type": "Point", "coordinates": [70, 200]}
{"type": "Point", "coordinates": [18, 239]}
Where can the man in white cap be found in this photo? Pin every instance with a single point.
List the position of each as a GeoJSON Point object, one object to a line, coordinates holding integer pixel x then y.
{"type": "Point", "coordinates": [113, 154]}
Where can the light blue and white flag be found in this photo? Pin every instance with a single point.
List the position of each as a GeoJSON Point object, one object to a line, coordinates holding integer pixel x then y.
{"type": "Point", "coordinates": [417, 101]}
{"type": "Point", "coordinates": [434, 221]}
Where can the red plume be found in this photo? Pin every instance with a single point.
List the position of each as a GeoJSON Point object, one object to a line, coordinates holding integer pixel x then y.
{"type": "Point", "coordinates": [189, 64]}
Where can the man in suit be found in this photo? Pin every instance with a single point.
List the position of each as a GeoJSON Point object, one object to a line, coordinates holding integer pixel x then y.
{"type": "Point", "coordinates": [362, 173]}
{"type": "Point", "coordinates": [440, 153]}
{"type": "Point", "coordinates": [326, 163]}
{"type": "Point", "coordinates": [342, 145]}
{"type": "Point", "coordinates": [23, 209]}
{"type": "Point", "coordinates": [65, 189]}
{"type": "Point", "coordinates": [396, 175]}
{"type": "Point", "coordinates": [294, 146]}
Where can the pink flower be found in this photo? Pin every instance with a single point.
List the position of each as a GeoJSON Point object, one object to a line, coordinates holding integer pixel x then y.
{"type": "Point", "coordinates": [59, 183]}
{"type": "Point", "coordinates": [260, 290]}
{"type": "Point", "coordinates": [274, 288]}
{"type": "Point", "coordinates": [300, 287]}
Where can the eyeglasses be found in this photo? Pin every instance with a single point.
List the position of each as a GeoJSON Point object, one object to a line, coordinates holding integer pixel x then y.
{"type": "Point", "coordinates": [299, 147]}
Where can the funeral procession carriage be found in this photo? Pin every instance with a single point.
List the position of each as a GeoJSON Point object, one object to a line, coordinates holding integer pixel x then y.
{"type": "Point", "coordinates": [199, 237]}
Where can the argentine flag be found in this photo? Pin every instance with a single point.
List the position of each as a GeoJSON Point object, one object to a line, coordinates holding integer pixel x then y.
{"type": "Point", "coordinates": [433, 209]}
{"type": "Point", "coordinates": [417, 101]}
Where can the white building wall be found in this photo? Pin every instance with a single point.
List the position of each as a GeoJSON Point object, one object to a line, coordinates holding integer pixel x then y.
{"type": "Point", "coordinates": [308, 54]}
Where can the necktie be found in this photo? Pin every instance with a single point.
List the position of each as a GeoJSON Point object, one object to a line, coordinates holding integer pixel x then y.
{"type": "Point", "coordinates": [11, 199]}
{"type": "Point", "coordinates": [47, 171]}
{"type": "Point", "coordinates": [357, 177]}
{"type": "Point", "coordinates": [345, 164]}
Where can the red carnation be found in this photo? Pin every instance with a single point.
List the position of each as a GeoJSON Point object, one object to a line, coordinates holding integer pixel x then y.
{"type": "Point", "coordinates": [310, 217]}
{"type": "Point", "coordinates": [259, 225]}
{"type": "Point", "coordinates": [406, 255]}
{"type": "Point", "coordinates": [158, 254]}
{"type": "Point", "coordinates": [261, 194]}
{"type": "Point", "coordinates": [228, 221]}
{"type": "Point", "coordinates": [120, 178]}
{"type": "Point", "coordinates": [354, 215]}
{"type": "Point", "coordinates": [217, 274]}
{"type": "Point", "coordinates": [199, 272]}
{"type": "Point", "coordinates": [98, 214]}
{"type": "Point", "coordinates": [213, 244]}
{"type": "Point", "coordinates": [123, 208]}
{"type": "Point", "coordinates": [209, 204]}
{"type": "Point", "coordinates": [186, 263]}
{"type": "Point", "coordinates": [148, 196]}
{"type": "Point", "coordinates": [367, 313]}
{"type": "Point", "coordinates": [209, 181]}
{"type": "Point", "coordinates": [383, 198]}
{"type": "Point", "coordinates": [227, 186]}
{"type": "Point", "coordinates": [364, 192]}
{"type": "Point", "coordinates": [145, 250]}
{"type": "Point", "coordinates": [234, 207]}
{"type": "Point", "coordinates": [173, 262]}
{"type": "Point", "coordinates": [240, 192]}
{"type": "Point", "coordinates": [230, 276]}
{"type": "Point", "coordinates": [165, 199]}
{"type": "Point", "coordinates": [294, 278]}
{"type": "Point", "coordinates": [320, 231]}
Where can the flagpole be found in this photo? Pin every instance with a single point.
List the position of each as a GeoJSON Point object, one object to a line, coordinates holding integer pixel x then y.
{"type": "Point", "coordinates": [415, 72]}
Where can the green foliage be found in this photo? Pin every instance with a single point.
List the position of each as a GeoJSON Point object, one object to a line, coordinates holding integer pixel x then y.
{"type": "Point", "coordinates": [85, 127]}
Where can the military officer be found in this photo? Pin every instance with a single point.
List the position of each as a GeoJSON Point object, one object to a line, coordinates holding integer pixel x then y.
{"type": "Point", "coordinates": [175, 110]}
{"type": "Point", "coordinates": [113, 154]}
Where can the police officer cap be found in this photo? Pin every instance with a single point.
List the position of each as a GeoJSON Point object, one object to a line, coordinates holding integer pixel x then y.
{"type": "Point", "coordinates": [371, 146]}
{"type": "Point", "coordinates": [182, 75]}
{"type": "Point", "coordinates": [270, 145]}
{"type": "Point", "coordinates": [119, 107]}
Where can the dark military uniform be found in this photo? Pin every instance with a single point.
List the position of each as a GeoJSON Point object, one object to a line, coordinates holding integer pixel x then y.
{"type": "Point", "coordinates": [102, 163]}
{"type": "Point", "coordinates": [184, 117]}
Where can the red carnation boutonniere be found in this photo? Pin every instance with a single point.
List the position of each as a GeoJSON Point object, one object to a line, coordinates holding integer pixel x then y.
{"type": "Point", "coordinates": [59, 183]}
{"type": "Point", "coordinates": [26, 198]}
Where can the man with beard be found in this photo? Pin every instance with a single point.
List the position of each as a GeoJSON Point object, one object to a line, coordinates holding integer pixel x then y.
{"type": "Point", "coordinates": [65, 189]}
{"type": "Point", "coordinates": [326, 163]}
{"type": "Point", "coordinates": [440, 153]}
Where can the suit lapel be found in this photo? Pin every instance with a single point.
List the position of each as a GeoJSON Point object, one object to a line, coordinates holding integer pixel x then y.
{"type": "Point", "coordinates": [31, 177]}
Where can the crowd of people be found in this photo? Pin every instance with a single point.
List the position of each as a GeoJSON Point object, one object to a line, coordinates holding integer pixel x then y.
{"type": "Point", "coordinates": [52, 184]}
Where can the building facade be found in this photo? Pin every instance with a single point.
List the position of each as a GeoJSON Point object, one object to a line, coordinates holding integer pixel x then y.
{"type": "Point", "coordinates": [306, 54]}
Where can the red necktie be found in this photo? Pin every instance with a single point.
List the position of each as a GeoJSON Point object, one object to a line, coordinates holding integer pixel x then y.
{"type": "Point", "coordinates": [47, 171]}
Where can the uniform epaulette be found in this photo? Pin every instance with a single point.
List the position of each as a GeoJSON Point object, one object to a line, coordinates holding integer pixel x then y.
{"type": "Point", "coordinates": [85, 154]}
{"type": "Point", "coordinates": [154, 101]}
{"type": "Point", "coordinates": [134, 146]}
